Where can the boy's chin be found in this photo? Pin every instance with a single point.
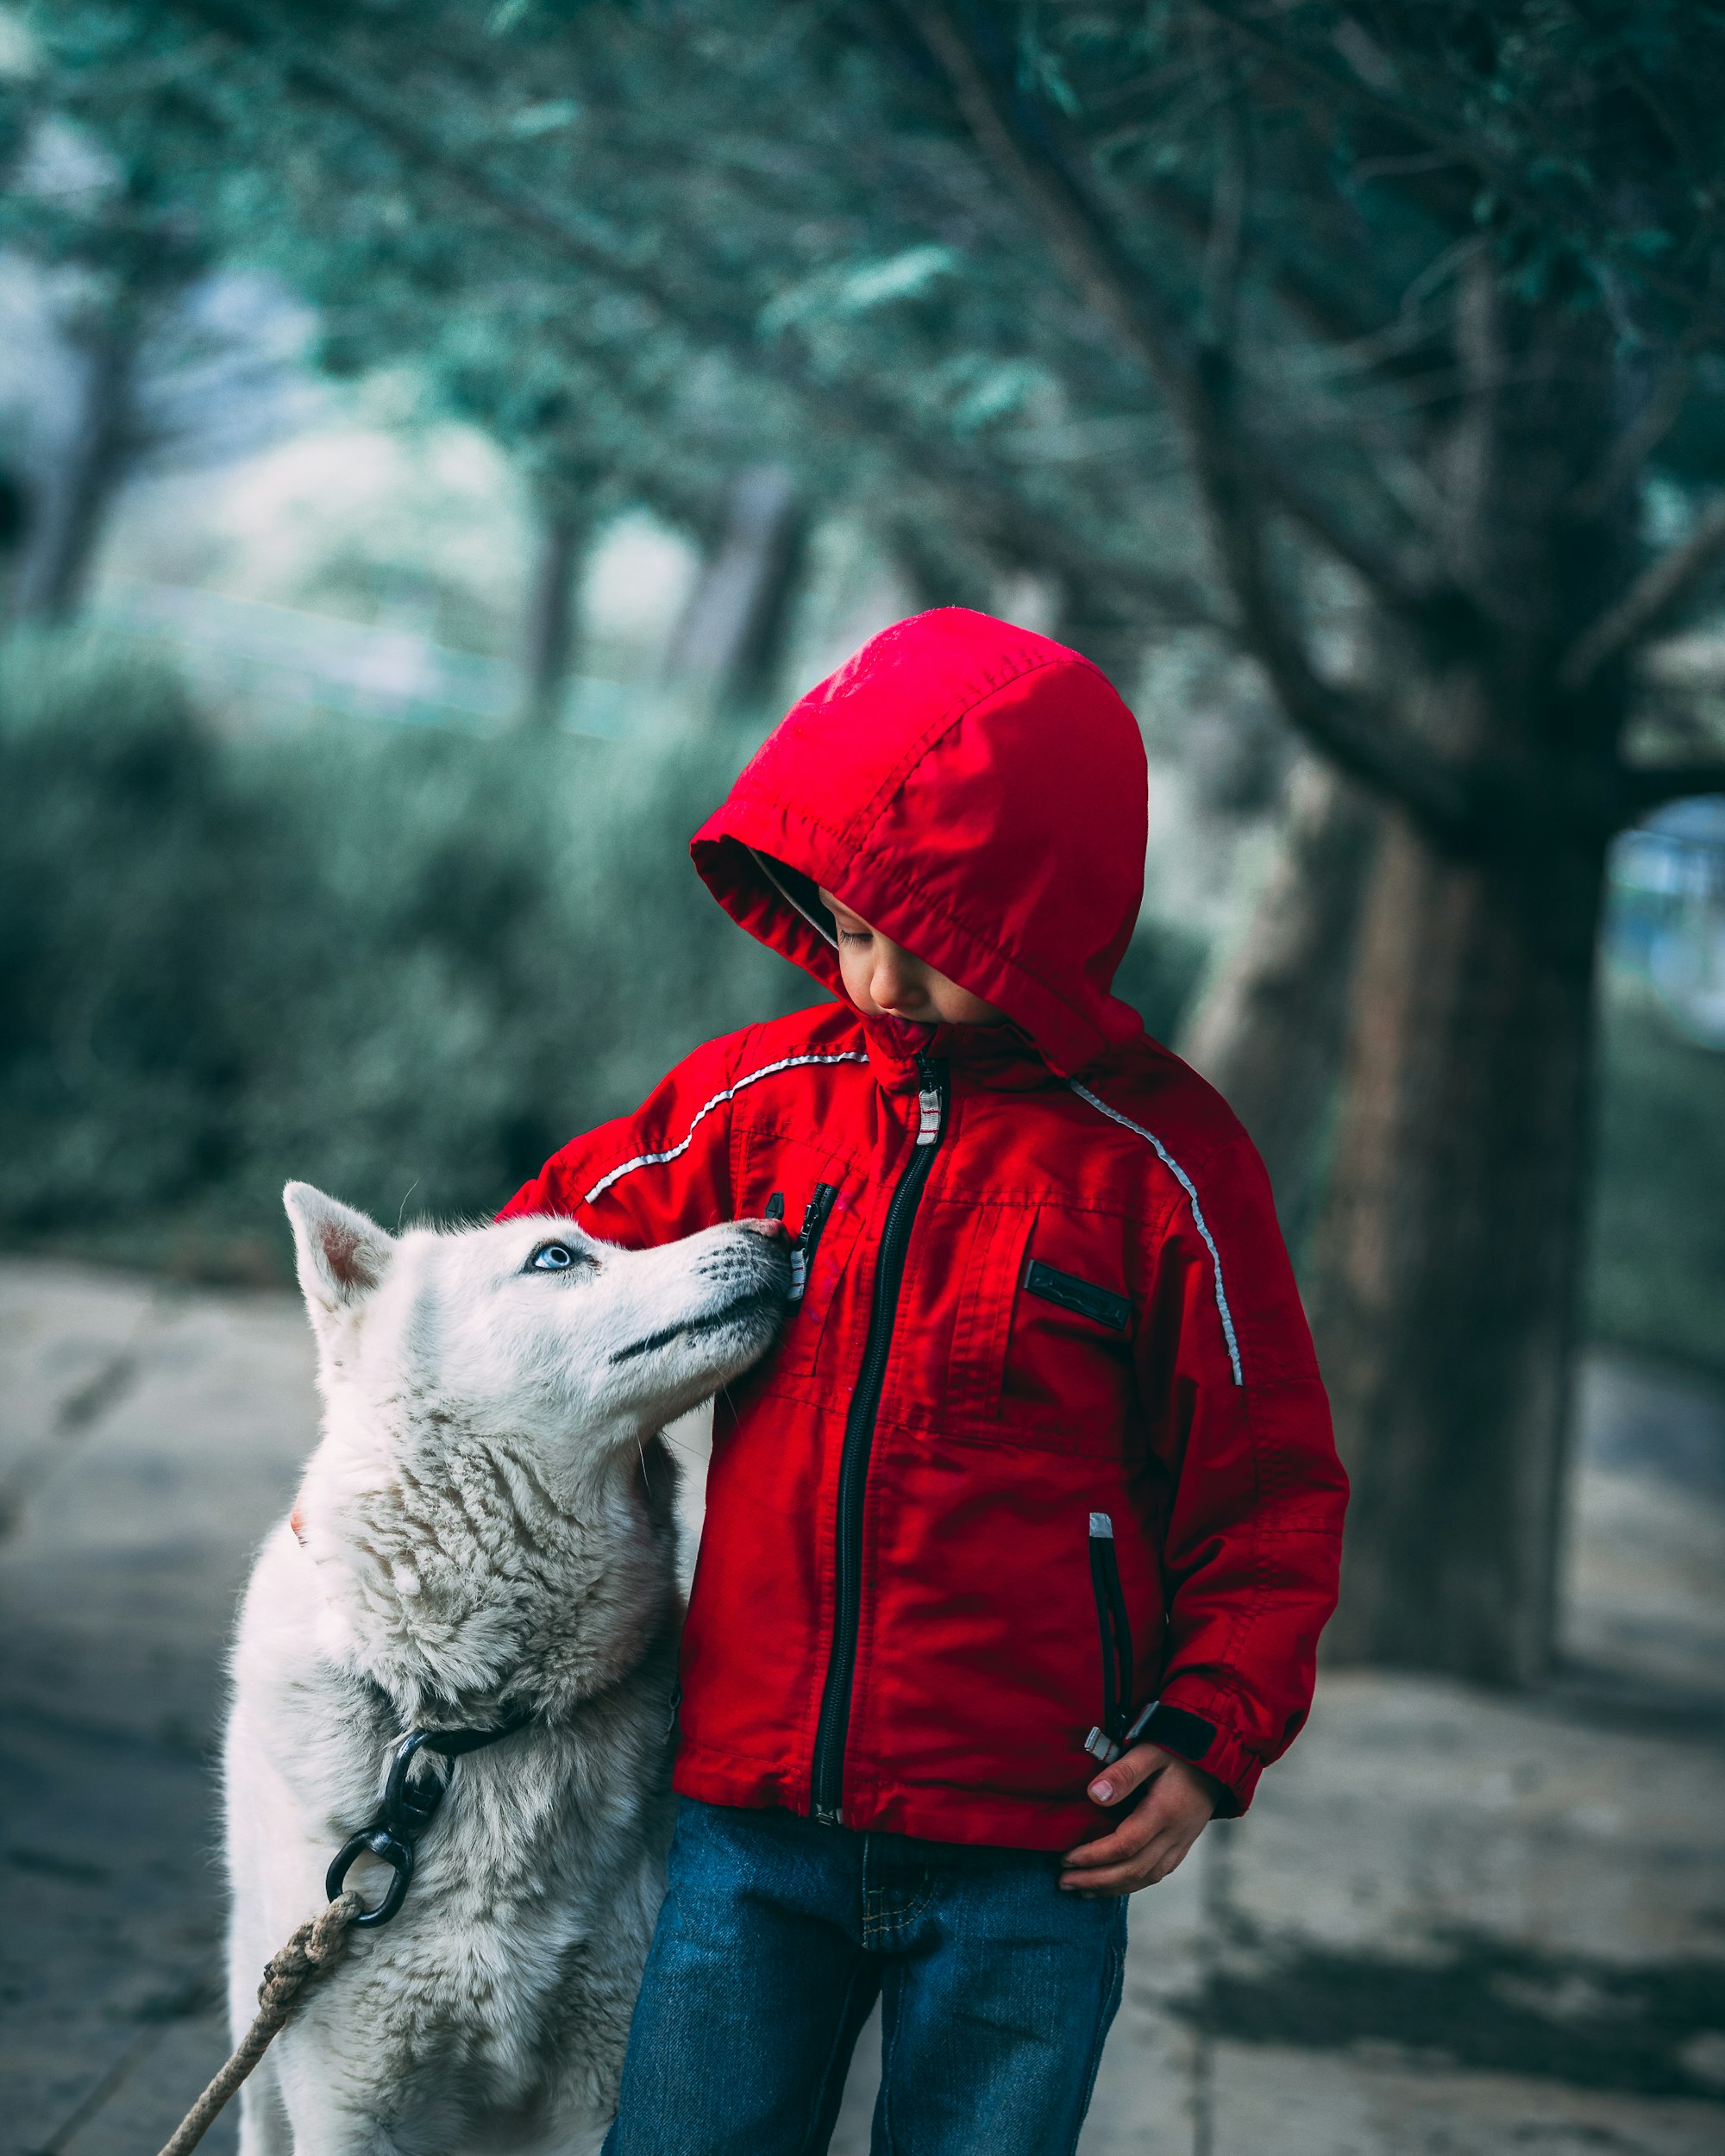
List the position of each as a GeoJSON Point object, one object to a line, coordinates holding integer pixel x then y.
{"type": "Point", "coordinates": [929, 1019]}
{"type": "Point", "coordinates": [974, 1022]}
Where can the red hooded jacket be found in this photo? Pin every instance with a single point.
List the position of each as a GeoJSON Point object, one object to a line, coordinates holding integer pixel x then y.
{"type": "Point", "coordinates": [1044, 1444]}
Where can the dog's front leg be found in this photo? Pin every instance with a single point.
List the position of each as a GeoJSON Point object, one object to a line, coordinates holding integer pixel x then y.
{"type": "Point", "coordinates": [324, 2118]}
{"type": "Point", "coordinates": [264, 2129]}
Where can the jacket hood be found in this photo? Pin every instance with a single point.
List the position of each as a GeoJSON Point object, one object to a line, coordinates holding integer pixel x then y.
{"type": "Point", "coordinates": [977, 792]}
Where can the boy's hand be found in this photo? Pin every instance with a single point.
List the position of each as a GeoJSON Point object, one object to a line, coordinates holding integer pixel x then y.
{"type": "Point", "coordinates": [1153, 1838]}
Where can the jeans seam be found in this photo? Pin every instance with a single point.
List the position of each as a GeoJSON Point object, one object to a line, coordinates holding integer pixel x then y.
{"type": "Point", "coordinates": [913, 1914]}
{"type": "Point", "coordinates": [1108, 2008]}
{"type": "Point", "coordinates": [894, 1977]}
{"type": "Point", "coordinates": [819, 2103]}
{"type": "Point", "coordinates": [898, 1920]}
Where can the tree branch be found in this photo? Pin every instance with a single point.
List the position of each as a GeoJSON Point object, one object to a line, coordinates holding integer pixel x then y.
{"type": "Point", "coordinates": [1080, 233]}
{"type": "Point", "coordinates": [1224, 244]}
{"type": "Point", "coordinates": [1339, 89]}
{"type": "Point", "coordinates": [1319, 311]}
{"type": "Point", "coordinates": [1085, 250]}
{"type": "Point", "coordinates": [1358, 735]}
{"type": "Point", "coordinates": [998, 519]}
{"type": "Point", "coordinates": [1645, 432]}
{"type": "Point", "coordinates": [1648, 600]}
{"type": "Point", "coordinates": [1198, 383]}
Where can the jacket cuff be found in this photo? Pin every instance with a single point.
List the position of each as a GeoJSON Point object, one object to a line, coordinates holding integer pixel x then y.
{"type": "Point", "coordinates": [1201, 1742]}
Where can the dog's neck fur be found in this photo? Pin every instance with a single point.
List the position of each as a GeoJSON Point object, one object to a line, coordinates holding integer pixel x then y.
{"type": "Point", "coordinates": [468, 1581]}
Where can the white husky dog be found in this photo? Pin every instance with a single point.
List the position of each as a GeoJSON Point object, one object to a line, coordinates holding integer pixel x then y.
{"type": "Point", "coordinates": [485, 1539]}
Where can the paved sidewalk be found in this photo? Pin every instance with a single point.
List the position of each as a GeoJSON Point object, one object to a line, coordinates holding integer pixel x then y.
{"type": "Point", "coordinates": [1455, 1924]}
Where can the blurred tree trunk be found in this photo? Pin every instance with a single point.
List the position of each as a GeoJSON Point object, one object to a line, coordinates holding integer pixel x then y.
{"type": "Point", "coordinates": [15, 518]}
{"type": "Point", "coordinates": [70, 506]}
{"type": "Point", "coordinates": [1267, 1031]}
{"type": "Point", "coordinates": [1443, 1285]}
{"type": "Point", "coordinates": [547, 627]}
{"type": "Point", "coordinates": [728, 645]}
{"type": "Point", "coordinates": [1445, 1272]}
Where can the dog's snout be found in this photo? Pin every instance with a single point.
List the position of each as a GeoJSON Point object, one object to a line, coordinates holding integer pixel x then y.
{"type": "Point", "coordinates": [765, 1256]}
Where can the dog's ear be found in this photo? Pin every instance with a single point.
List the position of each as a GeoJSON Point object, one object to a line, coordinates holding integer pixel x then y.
{"type": "Point", "coordinates": [341, 1254]}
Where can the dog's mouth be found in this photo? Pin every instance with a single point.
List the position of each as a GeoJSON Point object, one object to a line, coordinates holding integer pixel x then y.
{"type": "Point", "coordinates": [754, 1305]}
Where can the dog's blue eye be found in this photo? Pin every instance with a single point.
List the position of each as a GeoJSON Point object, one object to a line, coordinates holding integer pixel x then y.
{"type": "Point", "coordinates": [552, 1257]}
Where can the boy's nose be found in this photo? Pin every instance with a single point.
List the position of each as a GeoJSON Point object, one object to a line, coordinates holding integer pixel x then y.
{"type": "Point", "coordinates": [895, 987]}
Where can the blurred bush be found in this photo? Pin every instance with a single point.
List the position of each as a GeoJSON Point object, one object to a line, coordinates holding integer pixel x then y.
{"type": "Point", "coordinates": [405, 966]}
{"type": "Point", "coordinates": [1656, 1275]}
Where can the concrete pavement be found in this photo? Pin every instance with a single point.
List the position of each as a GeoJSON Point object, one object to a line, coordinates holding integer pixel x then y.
{"type": "Point", "coordinates": [1454, 1924]}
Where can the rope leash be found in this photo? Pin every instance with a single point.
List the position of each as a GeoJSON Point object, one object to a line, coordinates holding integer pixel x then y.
{"type": "Point", "coordinates": [409, 1804]}
{"type": "Point", "coordinates": [314, 1950]}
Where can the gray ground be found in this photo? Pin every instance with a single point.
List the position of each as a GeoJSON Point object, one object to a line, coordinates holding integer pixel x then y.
{"type": "Point", "coordinates": [1454, 1923]}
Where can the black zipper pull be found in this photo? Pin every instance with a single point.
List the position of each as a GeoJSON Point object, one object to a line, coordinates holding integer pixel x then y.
{"type": "Point", "coordinates": [803, 1249]}
{"type": "Point", "coordinates": [928, 1102]}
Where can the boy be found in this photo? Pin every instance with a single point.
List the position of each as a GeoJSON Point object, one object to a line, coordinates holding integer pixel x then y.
{"type": "Point", "coordinates": [1039, 1481]}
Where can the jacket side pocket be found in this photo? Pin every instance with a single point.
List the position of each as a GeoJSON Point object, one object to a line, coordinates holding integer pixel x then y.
{"type": "Point", "coordinates": [1107, 1739]}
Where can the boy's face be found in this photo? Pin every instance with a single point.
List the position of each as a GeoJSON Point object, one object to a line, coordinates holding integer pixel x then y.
{"type": "Point", "coordinates": [883, 979]}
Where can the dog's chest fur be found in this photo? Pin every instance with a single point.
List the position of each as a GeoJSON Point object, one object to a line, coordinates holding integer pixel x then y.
{"type": "Point", "coordinates": [500, 1997]}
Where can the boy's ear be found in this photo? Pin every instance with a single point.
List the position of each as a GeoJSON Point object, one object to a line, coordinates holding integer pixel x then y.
{"type": "Point", "coordinates": [341, 1254]}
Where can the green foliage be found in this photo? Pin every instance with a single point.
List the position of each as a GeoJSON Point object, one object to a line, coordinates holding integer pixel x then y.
{"type": "Point", "coordinates": [125, 866]}
{"type": "Point", "coordinates": [406, 967]}
{"type": "Point", "coordinates": [1656, 1275]}
{"type": "Point", "coordinates": [412, 964]}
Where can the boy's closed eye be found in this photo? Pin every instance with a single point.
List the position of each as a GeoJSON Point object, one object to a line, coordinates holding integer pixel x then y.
{"type": "Point", "coordinates": [884, 979]}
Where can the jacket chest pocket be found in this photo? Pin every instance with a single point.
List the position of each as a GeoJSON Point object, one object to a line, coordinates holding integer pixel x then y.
{"type": "Point", "coordinates": [1042, 1340]}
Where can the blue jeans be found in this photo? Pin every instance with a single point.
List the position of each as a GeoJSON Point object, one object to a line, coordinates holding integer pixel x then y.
{"type": "Point", "coordinates": [776, 1938]}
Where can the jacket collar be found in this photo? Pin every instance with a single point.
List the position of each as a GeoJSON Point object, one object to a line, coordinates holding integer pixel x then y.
{"type": "Point", "coordinates": [1000, 1058]}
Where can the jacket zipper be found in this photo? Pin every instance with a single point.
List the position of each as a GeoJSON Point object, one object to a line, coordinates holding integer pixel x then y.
{"type": "Point", "coordinates": [830, 1731]}
{"type": "Point", "coordinates": [1107, 1740]}
{"type": "Point", "coordinates": [803, 1249]}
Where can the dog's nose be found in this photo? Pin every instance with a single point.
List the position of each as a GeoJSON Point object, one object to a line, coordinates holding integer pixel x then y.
{"type": "Point", "coordinates": [770, 1229]}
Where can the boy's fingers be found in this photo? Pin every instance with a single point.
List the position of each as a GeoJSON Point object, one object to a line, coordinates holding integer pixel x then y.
{"type": "Point", "coordinates": [1129, 1839]}
{"type": "Point", "coordinates": [1153, 1838]}
{"type": "Point", "coordinates": [1147, 1867]}
{"type": "Point", "coordinates": [1130, 1771]}
{"type": "Point", "coordinates": [1110, 1850]}
{"type": "Point", "coordinates": [1143, 1847]}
